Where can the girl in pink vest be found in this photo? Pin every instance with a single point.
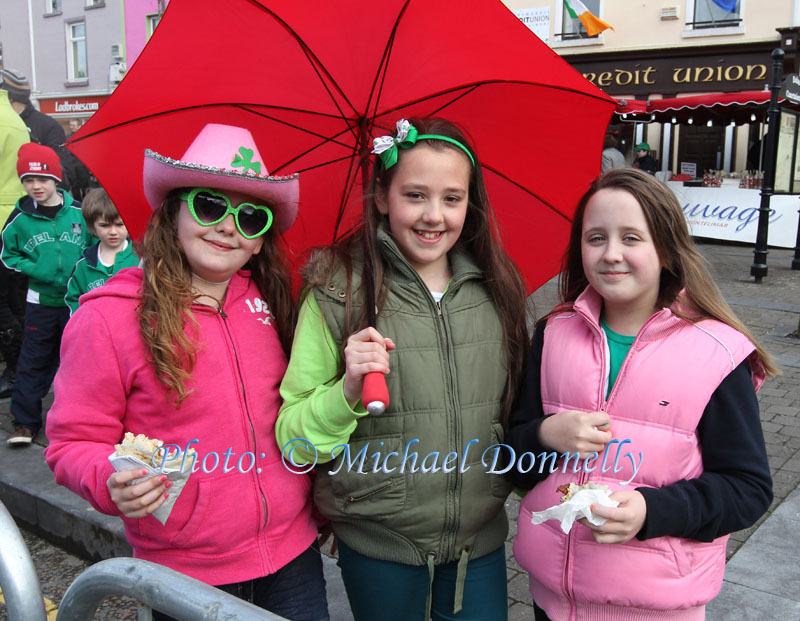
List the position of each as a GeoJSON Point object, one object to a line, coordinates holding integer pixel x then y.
{"type": "Point", "coordinates": [646, 373]}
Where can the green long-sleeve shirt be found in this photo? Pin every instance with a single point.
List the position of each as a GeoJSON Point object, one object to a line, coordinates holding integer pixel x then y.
{"type": "Point", "coordinates": [314, 406]}
{"type": "Point", "coordinates": [90, 273]}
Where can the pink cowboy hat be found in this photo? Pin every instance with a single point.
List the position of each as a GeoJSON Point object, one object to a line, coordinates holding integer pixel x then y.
{"type": "Point", "coordinates": [222, 157]}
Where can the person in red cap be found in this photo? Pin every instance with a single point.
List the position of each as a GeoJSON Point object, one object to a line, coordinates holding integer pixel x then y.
{"type": "Point", "coordinates": [43, 239]}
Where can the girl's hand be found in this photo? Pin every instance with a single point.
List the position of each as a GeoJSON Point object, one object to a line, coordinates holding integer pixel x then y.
{"type": "Point", "coordinates": [624, 522]}
{"type": "Point", "coordinates": [366, 351]}
{"type": "Point", "coordinates": [141, 499]}
{"type": "Point", "coordinates": [573, 431]}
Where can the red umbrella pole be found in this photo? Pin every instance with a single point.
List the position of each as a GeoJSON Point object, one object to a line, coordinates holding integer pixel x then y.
{"type": "Point", "coordinates": [375, 394]}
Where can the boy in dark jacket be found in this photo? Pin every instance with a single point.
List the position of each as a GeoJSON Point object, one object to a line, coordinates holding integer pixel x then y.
{"type": "Point", "coordinates": [112, 253]}
{"type": "Point", "coordinates": [43, 238]}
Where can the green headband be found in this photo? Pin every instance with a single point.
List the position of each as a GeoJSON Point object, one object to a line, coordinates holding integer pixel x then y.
{"type": "Point", "coordinates": [385, 147]}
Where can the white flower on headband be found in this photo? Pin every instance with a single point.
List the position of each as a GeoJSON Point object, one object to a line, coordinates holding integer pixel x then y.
{"type": "Point", "coordinates": [403, 126]}
{"type": "Point", "coordinates": [382, 143]}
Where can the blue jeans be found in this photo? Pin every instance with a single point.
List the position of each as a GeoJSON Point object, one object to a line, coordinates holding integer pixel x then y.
{"type": "Point", "coordinates": [397, 592]}
{"type": "Point", "coordinates": [38, 363]}
{"type": "Point", "coordinates": [296, 591]}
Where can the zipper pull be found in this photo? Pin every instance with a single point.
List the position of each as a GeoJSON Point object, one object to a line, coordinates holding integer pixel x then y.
{"type": "Point", "coordinates": [222, 314]}
{"type": "Point", "coordinates": [439, 308]}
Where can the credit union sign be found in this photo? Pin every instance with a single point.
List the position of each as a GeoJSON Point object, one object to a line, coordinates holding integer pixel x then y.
{"type": "Point", "coordinates": [642, 76]}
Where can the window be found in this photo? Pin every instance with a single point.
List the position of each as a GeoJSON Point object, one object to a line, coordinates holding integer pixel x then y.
{"type": "Point", "coordinates": [90, 4]}
{"type": "Point", "coordinates": [76, 51]}
{"type": "Point", "coordinates": [52, 7]}
{"type": "Point", "coordinates": [714, 17]}
{"type": "Point", "coordinates": [572, 28]}
{"type": "Point", "coordinates": [152, 22]}
{"type": "Point", "coordinates": [569, 32]}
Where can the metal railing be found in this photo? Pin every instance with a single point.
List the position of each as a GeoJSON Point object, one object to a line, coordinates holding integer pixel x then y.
{"type": "Point", "coordinates": [18, 578]}
{"type": "Point", "coordinates": [715, 23]}
{"type": "Point", "coordinates": [153, 585]}
{"type": "Point", "coordinates": [156, 586]}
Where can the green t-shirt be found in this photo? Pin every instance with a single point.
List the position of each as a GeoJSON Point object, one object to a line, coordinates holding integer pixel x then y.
{"type": "Point", "coordinates": [618, 346]}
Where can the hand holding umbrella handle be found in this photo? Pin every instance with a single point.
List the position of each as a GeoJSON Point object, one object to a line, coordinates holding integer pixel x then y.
{"type": "Point", "coordinates": [375, 395]}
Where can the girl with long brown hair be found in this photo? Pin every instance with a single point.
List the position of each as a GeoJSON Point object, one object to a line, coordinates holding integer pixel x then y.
{"type": "Point", "coordinates": [450, 307]}
{"type": "Point", "coordinates": [642, 353]}
{"type": "Point", "coordinates": [190, 349]}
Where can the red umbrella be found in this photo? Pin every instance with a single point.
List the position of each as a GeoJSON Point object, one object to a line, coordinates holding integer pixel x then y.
{"type": "Point", "coordinates": [315, 81]}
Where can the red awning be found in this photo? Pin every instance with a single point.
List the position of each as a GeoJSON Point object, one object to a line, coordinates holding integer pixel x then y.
{"type": "Point", "coordinates": [719, 108]}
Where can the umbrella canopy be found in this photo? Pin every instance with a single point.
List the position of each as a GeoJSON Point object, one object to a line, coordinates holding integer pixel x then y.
{"type": "Point", "coordinates": [314, 81]}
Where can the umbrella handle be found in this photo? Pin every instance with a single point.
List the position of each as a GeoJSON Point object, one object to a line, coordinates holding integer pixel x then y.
{"type": "Point", "coordinates": [375, 395]}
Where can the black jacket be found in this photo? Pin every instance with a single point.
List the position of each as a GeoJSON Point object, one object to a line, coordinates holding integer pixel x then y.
{"type": "Point", "coordinates": [647, 163]}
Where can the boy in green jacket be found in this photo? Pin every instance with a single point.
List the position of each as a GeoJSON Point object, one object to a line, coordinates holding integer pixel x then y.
{"type": "Point", "coordinates": [112, 253]}
{"type": "Point", "coordinates": [43, 238]}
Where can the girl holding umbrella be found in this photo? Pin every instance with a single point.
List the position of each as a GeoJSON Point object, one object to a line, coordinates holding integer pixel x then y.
{"type": "Point", "coordinates": [418, 518]}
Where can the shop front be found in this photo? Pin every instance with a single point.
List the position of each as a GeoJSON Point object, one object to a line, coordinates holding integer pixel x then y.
{"type": "Point", "coordinates": [687, 71]}
{"type": "Point", "coordinates": [64, 108]}
{"type": "Point", "coordinates": [724, 204]}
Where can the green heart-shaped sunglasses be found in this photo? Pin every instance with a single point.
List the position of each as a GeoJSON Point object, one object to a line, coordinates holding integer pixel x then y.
{"type": "Point", "coordinates": [209, 207]}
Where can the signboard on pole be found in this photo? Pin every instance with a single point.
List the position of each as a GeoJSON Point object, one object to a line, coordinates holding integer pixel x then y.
{"type": "Point", "coordinates": [790, 88]}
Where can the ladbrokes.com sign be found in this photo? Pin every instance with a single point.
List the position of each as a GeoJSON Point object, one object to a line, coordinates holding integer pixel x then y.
{"type": "Point", "coordinates": [72, 105]}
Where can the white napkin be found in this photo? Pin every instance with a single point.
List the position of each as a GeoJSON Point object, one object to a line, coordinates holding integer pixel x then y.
{"type": "Point", "coordinates": [178, 478]}
{"type": "Point", "coordinates": [577, 507]}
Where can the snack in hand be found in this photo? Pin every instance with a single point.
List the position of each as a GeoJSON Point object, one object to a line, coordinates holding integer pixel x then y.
{"type": "Point", "coordinates": [137, 450]}
{"type": "Point", "coordinates": [147, 450]}
{"type": "Point", "coordinates": [569, 490]}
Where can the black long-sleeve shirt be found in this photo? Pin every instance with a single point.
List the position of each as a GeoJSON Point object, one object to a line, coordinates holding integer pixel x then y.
{"type": "Point", "coordinates": [735, 488]}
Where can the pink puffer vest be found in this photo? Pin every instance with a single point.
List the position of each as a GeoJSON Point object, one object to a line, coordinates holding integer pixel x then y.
{"type": "Point", "coordinates": [662, 389]}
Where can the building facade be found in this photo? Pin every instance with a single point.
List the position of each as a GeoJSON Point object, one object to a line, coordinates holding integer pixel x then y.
{"type": "Point", "coordinates": [74, 52]}
{"type": "Point", "coordinates": [674, 48]}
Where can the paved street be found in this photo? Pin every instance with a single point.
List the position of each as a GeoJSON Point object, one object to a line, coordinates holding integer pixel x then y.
{"type": "Point", "coordinates": [772, 311]}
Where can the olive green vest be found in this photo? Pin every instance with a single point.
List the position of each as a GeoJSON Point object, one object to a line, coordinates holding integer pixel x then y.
{"type": "Point", "coordinates": [419, 492]}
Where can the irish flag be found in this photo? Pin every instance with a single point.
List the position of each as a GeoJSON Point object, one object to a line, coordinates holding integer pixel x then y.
{"type": "Point", "coordinates": [593, 24]}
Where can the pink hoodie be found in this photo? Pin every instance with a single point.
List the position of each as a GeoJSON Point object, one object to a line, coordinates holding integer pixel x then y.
{"type": "Point", "coordinates": [667, 379]}
{"type": "Point", "coordinates": [241, 518]}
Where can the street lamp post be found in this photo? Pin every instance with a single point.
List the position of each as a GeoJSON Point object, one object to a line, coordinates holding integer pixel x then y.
{"type": "Point", "coordinates": [759, 267]}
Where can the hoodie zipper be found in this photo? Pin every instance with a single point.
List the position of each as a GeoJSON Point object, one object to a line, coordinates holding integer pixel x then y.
{"type": "Point", "coordinates": [223, 316]}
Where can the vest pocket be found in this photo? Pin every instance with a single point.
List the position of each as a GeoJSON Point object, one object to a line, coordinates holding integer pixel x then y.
{"type": "Point", "coordinates": [368, 479]}
{"type": "Point", "coordinates": [500, 486]}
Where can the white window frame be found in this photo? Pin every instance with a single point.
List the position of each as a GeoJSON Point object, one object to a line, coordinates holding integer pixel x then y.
{"type": "Point", "coordinates": [690, 32]}
{"type": "Point", "coordinates": [558, 27]}
{"type": "Point", "coordinates": [52, 7]}
{"type": "Point", "coordinates": [72, 70]}
{"type": "Point", "coordinates": [93, 4]}
{"type": "Point", "coordinates": [151, 23]}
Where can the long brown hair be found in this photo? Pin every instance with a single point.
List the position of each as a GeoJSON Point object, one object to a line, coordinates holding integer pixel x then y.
{"type": "Point", "coordinates": [168, 326]}
{"type": "Point", "coordinates": [479, 239]}
{"type": "Point", "coordinates": [685, 277]}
